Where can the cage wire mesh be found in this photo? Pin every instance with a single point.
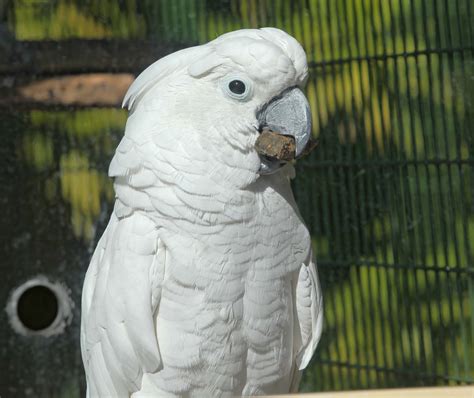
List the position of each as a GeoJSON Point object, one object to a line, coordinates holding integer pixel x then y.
{"type": "Point", "coordinates": [388, 194]}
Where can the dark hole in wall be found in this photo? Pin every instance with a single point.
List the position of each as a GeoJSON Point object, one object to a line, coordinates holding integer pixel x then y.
{"type": "Point", "coordinates": [37, 308]}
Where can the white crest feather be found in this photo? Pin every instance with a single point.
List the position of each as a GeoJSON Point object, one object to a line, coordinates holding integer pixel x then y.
{"type": "Point", "coordinates": [157, 71]}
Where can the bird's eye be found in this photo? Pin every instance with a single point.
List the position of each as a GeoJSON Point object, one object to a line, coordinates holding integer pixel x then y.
{"type": "Point", "coordinates": [237, 87]}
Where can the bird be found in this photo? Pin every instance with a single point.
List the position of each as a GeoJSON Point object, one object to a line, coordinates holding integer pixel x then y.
{"type": "Point", "coordinates": [203, 283]}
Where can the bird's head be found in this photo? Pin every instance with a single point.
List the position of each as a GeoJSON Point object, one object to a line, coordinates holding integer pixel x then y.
{"type": "Point", "coordinates": [222, 94]}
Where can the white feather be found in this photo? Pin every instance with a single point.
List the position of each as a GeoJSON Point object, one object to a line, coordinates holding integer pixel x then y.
{"type": "Point", "coordinates": [197, 286]}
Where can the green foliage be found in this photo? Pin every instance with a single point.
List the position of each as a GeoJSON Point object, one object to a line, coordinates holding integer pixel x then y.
{"type": "Point", "coordinates": [63, 19]}
{"type": "Point", "coordinates": [89, 138]}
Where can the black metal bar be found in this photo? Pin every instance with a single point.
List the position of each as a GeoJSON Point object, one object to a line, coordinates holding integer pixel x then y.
{"type": "Point", "coordinates": [381, 57]}
{"type": "Point", "coordinates": [387, 227]}
{"type": "Point", "coordinates": [377, 192]}
{"type": "Point", "coordinates": [370, 42]}
{"type": "Point", "coordinates": [401, 266]}
{"type": "Point", "coordinates": [349, 238]}
{"type": "Point", "coordinates": [386, 163]}
{"type": "Point", "coordinates": [405, 371]}
{"type": "Point", "coordinates": [466, 126]}
{"type": "Point", "coordinates": [50, 57]}
{"type": "Point", "coordinates": [327, 201]}
{"type": "Point", "coordinates": [423, 210]}
{"type": "Point", "coordinates": [336, 202]}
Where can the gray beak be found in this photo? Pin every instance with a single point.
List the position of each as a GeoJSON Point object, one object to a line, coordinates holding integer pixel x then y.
{"type": "Point", "coordinates": [287, 114]}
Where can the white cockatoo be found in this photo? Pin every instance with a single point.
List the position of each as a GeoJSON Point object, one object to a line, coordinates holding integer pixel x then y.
{"type": "Point", "coordinates": [203, 282]}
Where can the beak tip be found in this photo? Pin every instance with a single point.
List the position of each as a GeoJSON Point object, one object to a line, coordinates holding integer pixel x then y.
{"type": "Point", "coordinates": [304, 137]}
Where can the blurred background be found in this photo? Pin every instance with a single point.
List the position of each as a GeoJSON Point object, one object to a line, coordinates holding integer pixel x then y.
{"type": "Point", "coordinates": [388, 195]}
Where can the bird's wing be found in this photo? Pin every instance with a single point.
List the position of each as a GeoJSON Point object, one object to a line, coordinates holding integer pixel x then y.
{"type": "Point", "coordinates": [309, 318]}
{"type": "Point", "coordinates": [120, 295]}
{"type": "Point", "coordinates": [123, 284]}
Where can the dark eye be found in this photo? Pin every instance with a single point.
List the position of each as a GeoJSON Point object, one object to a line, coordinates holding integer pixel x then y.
{"type": "Point", "coordinates": [237, 86]}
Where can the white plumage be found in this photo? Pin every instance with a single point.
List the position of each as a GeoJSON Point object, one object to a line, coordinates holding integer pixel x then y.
{"type": "Point", "coordinates": [203, 282]}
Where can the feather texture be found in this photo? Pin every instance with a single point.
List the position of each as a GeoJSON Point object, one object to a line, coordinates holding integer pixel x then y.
{"type": "Point", "coordinates": [203, 282]}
